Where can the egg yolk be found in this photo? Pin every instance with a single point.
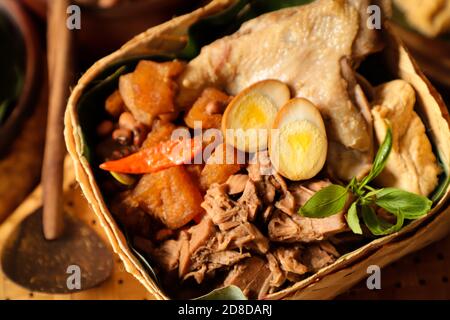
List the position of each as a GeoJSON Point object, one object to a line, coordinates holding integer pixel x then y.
{"type": "Point", "coordinates": [299, 139]}
{"type": "Point", "coordinates": [299, 150]}
{"type": "Point", "coordinates": [254, 111]}
{"type": "Point", "coordinates": [251, 120]}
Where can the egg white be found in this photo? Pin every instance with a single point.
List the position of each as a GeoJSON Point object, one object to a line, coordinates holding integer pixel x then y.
{"type": "Point", "coordinates": [298, 144]}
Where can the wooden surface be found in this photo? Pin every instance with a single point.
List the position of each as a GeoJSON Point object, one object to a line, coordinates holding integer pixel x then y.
{"type": "Point", "coordinates": [60, 69]}
{"type": "Point", "coordinates": [421, 275]}
{"type": "Point", "coordinates": [24, 155]}
{"type": "Point", "coordinates": [120, 286]}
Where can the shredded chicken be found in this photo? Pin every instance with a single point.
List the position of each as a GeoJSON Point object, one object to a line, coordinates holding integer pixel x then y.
{"type": "Point", "coordinates": [236, 183]}
{"type": "Point", "coordinates": [245, 235]}
{"type": "Point", "coordinates": [250, 200]}
{"type": "Point", "coordinates": [319, 255]}
{"type": "Point", "coordinates": [283, 228]}
{"type": "Point", "coordinates": [252, 276]}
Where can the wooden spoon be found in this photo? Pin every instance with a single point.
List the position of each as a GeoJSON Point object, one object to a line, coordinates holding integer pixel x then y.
{"type": "Point", "coordinates": [48, 247]}
{"type": "Point", "coordinates": [60, 68]}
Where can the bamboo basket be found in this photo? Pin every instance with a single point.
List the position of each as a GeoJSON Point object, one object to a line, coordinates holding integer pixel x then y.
{"type": "Point", "coordinates": [329, 282]}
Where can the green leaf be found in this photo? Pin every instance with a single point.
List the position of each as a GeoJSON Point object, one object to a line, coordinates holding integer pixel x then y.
{"type": "Point", "coordinates": [225, 293]}
{"type": "Point", "coordinates": [228, 21]}
{"type": "Point", "coordinates": [140, 256]}
{"type": "Point", "coordinates": [353, 219]}
{"type": "Point", "coordinates": [211, 28]}
{"type": "Point", "coordinates": [442, 188]}
{"type": "Point", "coordinates": [353, 184]}
{"type": "Point", "coordinates": [4, 109]}
{"type": "Point", "coordinates": [380, 159]}
{"type": "Point", "coordinates": [12, 64]}
{"type": "Point", "coordinates": [380, 227]}
{"type": "Point", "coordinates": [122, 178]}
{"type": "Point", "coordinates": [369, 197]}
{"type": "Point", "coordinates": [412, 206]}
{"type": "Point", "coordinates": [326, 202]}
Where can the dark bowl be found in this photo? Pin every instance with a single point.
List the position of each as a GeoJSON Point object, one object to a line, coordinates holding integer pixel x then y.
{"type": "Point", "coordinates": [104, 30]}
{"type": "Point", "coordinates": [23, 39]}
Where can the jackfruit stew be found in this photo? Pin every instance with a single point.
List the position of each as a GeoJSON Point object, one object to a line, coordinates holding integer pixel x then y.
{"type": "Point", "coordinates": [262, 213]}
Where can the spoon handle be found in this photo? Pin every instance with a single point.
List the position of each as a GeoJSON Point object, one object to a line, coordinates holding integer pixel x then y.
{"type": "Point", "coordinates": [59, 61]}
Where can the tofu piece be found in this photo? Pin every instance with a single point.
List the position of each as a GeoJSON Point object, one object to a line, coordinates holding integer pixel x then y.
{"type": "Point", "coordinates": [149, 91]}
{"type": "Point", "coordinates": [220, 166]}
{"type": "Point", "coordinates": [208, 109]}
{"type": "Point", "coordinates": [170, 195]}
{"type": "Point", "coordinates": [161, 131]}
{"type": "Point", "coordinates": [411, 166]}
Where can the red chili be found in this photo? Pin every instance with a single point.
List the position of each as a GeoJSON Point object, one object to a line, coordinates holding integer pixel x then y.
{"type": "Point", "coordinates": [162, 156]}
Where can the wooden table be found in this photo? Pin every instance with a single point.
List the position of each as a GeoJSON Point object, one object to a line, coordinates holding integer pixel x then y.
{"type": "Point", "coordinates": [121, 285]}
{"type": "Point", "coordinates": [422, 275]}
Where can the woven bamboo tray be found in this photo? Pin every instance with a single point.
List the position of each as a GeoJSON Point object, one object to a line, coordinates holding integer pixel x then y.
{"type": "Point", "coordinates": [421, 275]}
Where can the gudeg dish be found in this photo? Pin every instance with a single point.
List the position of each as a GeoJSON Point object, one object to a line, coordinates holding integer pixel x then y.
{"type": "Point", "coordinates": [297, 273]}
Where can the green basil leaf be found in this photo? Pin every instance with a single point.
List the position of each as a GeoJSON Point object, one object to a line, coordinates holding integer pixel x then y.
{"type": "Point", "coordinates": [380, 227]}
{"type": "Point", "coordinates": [368, 198]}
{"type": "Point", "coordinates": [326, 202]}
{"type": "Point", "coordinates": [410, 204]}
{"type": "Point", "coordinates": [353, 219]}
{"type": "Point", "coordinates": [226, 293]}
{"type": "Point", "coordinates": [442, 188]}
{"type": "Point", "coordinates": [353, 185]}
{"type": "Point", "coordinates": [380, 159]}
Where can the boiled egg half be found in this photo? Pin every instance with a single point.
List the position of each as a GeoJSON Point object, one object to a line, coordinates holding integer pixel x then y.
{"type": "Point", "coordinates": [298, 144]}
{"type": "Point", "coordinates": [249, 117]}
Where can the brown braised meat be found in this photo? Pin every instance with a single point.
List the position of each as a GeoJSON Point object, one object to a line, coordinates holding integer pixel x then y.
{"type": "Point", "coordinates": [208, 109]}
{"type": "Point", "coordinates": [251, 275]}
{"type": "Point", "coordinates": [169, 195]}
{"type": "Point", "coordinates": [233, 236]}
{"type": "Point", "coordinates": [149, 90]}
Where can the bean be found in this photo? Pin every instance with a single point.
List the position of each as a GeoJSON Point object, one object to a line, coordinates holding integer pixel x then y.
{"type": "Point", "coordinates": [123, 136]}
{"type": "Point", "coordinates": [127, 121]}
{"type": "Point", "coordinates": [105, 128]}
{"type": "Point", "coordinates": [139, 134]}
{"type": "Point", "coordinates": [114, 104]}
{"type": "Point", "coordinates": [139, 130]}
